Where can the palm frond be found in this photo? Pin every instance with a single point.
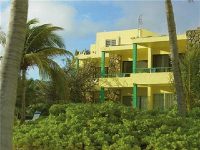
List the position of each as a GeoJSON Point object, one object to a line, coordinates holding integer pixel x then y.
{"type": "Point", "coordinates": [41, 45]}
{"type": "Point", "coordinates": [50, 70]}
{"type": "Point", "coordinates": [32, 22]}
{"type": "Point", "coordinates": [53, 51]}
{"type": "Point", "coordinates": [43, 36]}
{"type": "Point", "coordinates": [32, 33]}
{"type": "Point", "coordinates": [48, 53]}
{"type": "Point", "coordinates": [56, 40]}
{"type": "Point", "coordinates": [46, 65]}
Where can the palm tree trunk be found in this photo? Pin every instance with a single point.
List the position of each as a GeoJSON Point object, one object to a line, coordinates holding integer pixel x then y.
{"type": "Point", "coordinates": [10, 68]}
{"type": "Point", "coordinates": [175, 58]}
{"type": "Point", "coordinates": [23, 98]}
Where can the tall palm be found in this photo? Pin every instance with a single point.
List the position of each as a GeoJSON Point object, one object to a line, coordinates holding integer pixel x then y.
{"type": "Point", "coordinates": [42, 44]}
{"type": "Point", "coordinates": [10, 68]}
{"type": "Point", "coordinates": [175, 58]}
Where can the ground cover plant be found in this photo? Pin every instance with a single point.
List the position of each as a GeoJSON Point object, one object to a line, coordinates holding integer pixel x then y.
{"type": "Point", "coordinates": [109, 126]}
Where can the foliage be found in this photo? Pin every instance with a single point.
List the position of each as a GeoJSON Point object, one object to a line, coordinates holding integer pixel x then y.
{"type": "Point", "coordinates": [51, 93]}
{"type": "Point", "coordinates": [42, 45]}
{"type": "Point", "coordinates": [109, 126]}
{"type": "Point", "coordinates": [40, 95]}
{"type": "Point", "coordinates": [190, 68]}
{"type": "Point", "coordinates": [81, 82]}
{"type": "Point", "coordinates": [2, 38]}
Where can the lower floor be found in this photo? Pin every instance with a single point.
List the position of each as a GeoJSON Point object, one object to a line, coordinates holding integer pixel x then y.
{"type": "Point", "coordinates": [141, 97]}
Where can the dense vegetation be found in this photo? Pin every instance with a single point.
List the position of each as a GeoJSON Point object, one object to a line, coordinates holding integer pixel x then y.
{"type": "Point", "coordinates": [109, 126]}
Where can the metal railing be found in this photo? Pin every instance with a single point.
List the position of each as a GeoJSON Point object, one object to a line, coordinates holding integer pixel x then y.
{"type": "Point", "coordinates": [111, 75]}
{"type": "Point", "coordinates": [140, 70]}
{"type": "Point", "coordinates": [154, 70]}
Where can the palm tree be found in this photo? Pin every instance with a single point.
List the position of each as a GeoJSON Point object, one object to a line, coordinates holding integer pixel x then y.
{"type": "Point", "coordinates": [175, 58]}
{"type": "Point", "coordinates": [42, 44]}
{"type": "Point", "coordinates": [10, 68]}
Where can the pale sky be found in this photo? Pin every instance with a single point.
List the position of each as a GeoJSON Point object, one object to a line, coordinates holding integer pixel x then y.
{"type": "Point", "coordinates": [82, 19]}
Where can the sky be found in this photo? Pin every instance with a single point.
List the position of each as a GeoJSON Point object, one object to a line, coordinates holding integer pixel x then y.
{"type": "Point", "coordinates": [81, 20]}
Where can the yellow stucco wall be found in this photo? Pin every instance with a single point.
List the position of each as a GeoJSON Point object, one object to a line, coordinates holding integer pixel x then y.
{"type": "Point", "coordinates": [123, 37]}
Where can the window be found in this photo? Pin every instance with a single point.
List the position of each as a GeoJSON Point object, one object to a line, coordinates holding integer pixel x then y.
{"type": "Point", "coordinates": [164, 101]}
{"type": "Point", "coordinates": [158, 101]}
{"type": "Point", "coordinates": [110, 43]}
{"type": "Point", "coordinates": [127, 67]}
{"type": "Point", "coordinates": [169, 100]}
{"type": "Point", "coordinates": [142, 102]}
{"type": "Point", "coordinates": [161, 61]}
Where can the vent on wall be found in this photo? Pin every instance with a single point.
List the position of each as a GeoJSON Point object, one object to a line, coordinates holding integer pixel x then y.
{"type": "Point", "coordinates": [111, 42]}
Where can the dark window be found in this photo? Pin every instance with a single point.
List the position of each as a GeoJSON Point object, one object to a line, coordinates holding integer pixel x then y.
{"type": "Point", "coordinates": [127, 67]}
{"type": "Point", "coordinates": [142, 102]}
{"type": "Point", "coordinates": [158, 101]}
{"type": "Point", "coordinates": [161, 61]}
{"type": "Point", "coordinates": [169, 100]}
{"type": "Point", "coordinates": [163, 101]}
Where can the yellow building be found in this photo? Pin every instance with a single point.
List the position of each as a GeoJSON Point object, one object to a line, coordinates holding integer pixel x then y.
{"type": "Point", "coordinates": [143, 74]}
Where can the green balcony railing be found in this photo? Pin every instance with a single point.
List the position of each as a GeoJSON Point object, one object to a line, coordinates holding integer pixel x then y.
{"type": "Point", "coordinates": [110, 75]}
{"type": "Point", "coordinates": [154, 70]}
{"type": "Point", "coordinates": [140, 70]}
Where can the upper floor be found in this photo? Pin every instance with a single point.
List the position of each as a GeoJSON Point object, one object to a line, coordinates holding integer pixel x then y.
{"type": "Point", "coordinates": [120, 42]}
{"type": "Point", "coordinates": [127, 55]}
{"type": "Point", "coordinates": [105, 40]}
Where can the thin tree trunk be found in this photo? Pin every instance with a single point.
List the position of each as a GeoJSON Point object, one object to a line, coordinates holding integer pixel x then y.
{"type": "Point", "coordinates": [175, 58]}
{"type": "Point", "coordinates": [10, 68]}
{"type": "Point", "coordinates": [23, 96]}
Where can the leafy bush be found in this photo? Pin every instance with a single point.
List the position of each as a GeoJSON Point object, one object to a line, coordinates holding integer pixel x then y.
{"type": "Point", "coordinates": [57, 109]}
{"type": "Point", "coordinates": [108, 126]}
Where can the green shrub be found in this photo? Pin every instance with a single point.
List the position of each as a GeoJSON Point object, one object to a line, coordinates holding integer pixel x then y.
{"type": "Point", "coordinates": [109, 126]}
{"type": "Point", "coordinates": [57, 109]}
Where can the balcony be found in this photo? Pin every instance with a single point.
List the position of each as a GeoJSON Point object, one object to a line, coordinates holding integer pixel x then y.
{"type": "Point", "coordinates": [143, 77]}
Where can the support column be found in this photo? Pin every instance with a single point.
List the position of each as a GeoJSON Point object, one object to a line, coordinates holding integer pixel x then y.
{"type": "Point", "coordinates": [102, 95]}
{"type": "Point", "coordinates": [149, 58]}
{"type": "Point", "coordinates": [77, 63]}
{"type": "Point", "coordinates": [134, 55]}
{"type": "Point", "coordinates": [150, 98]}
{"type": "Point", "coordinates": [102, 64]}
{"type": "Point", "coordinates": [134, 97]}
